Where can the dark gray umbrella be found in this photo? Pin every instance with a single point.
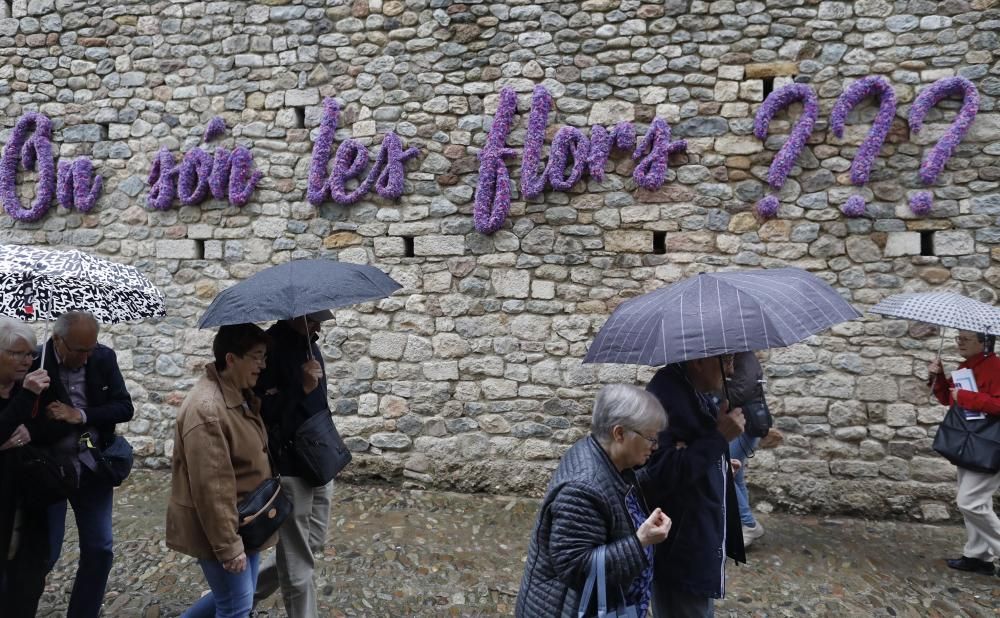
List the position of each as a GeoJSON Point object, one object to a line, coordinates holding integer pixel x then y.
{"type": "Point", "coordinates": [719, 313]}
{"type": "Point", "coordinates": [296, 288]}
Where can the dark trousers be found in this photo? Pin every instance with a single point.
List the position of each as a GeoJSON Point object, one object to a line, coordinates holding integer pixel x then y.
{"type": "Point", "coordinates": [92, 504]}
{"type": "Point", "coordinates": [673, 603]}
{"type": "Point", "coordinates": [22, 579]}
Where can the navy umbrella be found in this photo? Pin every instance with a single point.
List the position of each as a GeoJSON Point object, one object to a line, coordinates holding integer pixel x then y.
{"type": "Point", "coordinates": [296, 288]}
{"type": "Point", "coordinates": [719, 313]}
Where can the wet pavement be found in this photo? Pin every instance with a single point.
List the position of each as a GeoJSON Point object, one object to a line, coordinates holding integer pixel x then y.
{"type": "Point", "coordinates": [396, 552]}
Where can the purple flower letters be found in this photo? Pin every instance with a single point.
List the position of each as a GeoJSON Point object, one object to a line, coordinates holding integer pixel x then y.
{"type": "Point", "coordinates": [789, 152]}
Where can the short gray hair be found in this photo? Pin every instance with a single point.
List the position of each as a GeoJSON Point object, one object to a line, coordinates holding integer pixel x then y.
{"type": "Point", "coordinates": [12, 331]}
{"type": "Point", "coordinates": [65, 322]}
{"type": "Point", "coordinates": [625, 405]}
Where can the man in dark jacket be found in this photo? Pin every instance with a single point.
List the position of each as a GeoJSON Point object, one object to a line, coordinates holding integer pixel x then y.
{"type": "Point", "coordinates": [86, 398]}
{"type": "Point", "coordinates": [292, 389]}
{"type": "Point", "coordinates": [690, 478]}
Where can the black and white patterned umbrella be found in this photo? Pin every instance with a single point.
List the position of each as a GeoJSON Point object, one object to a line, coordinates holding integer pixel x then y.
{"type": "Point", "coordinates": [942, 309]}
{"type": "Point", "coordinates": [719, 313]}
{"type": "Point", "coordinates": [42, 284]}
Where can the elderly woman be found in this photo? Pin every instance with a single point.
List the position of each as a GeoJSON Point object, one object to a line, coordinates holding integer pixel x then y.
{"type": "Point", "coordinates": [220, 456]}
{"type": "Point", "coordinates": [23, 533]}
{"type": "Point", "coordinates": [593, 501]}
{"type": "Point", "coordinates": [975, 489]}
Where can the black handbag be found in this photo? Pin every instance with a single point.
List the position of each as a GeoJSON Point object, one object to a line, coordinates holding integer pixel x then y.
{"type": "Point", "coordinates": [319, 450]}
{"type": "Point", "coordinates": [261, 513]}
{"type": "Point", "coordinates": [115, 461]}
{"type": "Point", "coordinates": [758, 419]}
{"type": "Point", "coordinates": [44, 477]}
{"type": "Point", "coordinates": [972, 443]}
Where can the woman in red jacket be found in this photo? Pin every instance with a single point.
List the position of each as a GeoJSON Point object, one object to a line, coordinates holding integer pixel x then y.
{"type": "Point", "coordinates": [975, 489]}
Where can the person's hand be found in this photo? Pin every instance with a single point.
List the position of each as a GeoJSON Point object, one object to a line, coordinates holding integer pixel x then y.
{"type": "Point", "coordinates": [37, 381]}
{"type": "Point", "coordinates": [20, 437]}
{"type": "Point", "coordinates": [237, 564]}
{"type": "Point", "coordinates": [58, 411]}
{"type": "Point", "coordinates": [954, 394]}
{"type": "Point", "coordinates": [772, 439]}
{"type": "Point", "coordinates": [731, 423]}
{"type": "Point", "coordinates": [935, 367]}
{"type": "Point", "coordinates": [655, 529]}
{"type": "Point", "coordinates": [312, 373]}
{"type": "Point", "coordinates": [735, 464]}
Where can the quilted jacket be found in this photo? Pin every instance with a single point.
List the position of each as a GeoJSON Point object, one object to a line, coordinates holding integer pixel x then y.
{"type": "Point", "coordinates": [584, 507]}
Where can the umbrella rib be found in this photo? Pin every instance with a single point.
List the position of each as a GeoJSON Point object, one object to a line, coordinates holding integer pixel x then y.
{"type": "Point", "coordinates": [701, 316]}
{"type": "Point", "coordinates": [722, 318]}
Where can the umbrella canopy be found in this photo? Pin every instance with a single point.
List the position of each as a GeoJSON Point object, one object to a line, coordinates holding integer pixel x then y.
{"type": "Point", "coordinates": [296, 288]}
{"type": "Point", "coordinates": [942, 309]}
{"type": "Point", "coordinates": [43, 284]}
{"type": "Point", "coordinates": [719, 313]}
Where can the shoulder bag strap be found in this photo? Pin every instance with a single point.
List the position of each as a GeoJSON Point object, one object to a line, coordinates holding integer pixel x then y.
{"type": "Point", "coordinates": [588, 588]}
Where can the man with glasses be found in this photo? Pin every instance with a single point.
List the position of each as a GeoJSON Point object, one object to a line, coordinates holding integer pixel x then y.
{"type": "Point", "coordinates": [292, 389]}
{"type": "Point", "coordinates": [85, 400]}
{"type": "Point", "coordinates": [690, 477]}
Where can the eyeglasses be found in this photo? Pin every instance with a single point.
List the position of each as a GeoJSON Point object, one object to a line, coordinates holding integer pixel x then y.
{"type": "Point", "coordinates": [22, 355]}
{"type": "Point", "coordinates": [653, 441]}
{"type": "Point", "coordinates": [258, 357]}
{"type": "Point", "coordinates": [961, 339]}
{"type": "Point", "coordinates": [70, 348]}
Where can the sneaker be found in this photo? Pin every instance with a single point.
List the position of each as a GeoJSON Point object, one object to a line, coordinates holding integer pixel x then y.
{"type": "Point", "coordinates": [974, 565]}
{"type": "Point", "coordinates": [750, 533]}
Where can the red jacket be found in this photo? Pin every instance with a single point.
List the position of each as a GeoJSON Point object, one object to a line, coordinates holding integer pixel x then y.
{"type": "Point", "coordinates": [986, 370]}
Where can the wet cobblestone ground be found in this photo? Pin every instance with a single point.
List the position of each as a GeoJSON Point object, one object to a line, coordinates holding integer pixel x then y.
{"type": "Point", "coordinates": [395, 552]}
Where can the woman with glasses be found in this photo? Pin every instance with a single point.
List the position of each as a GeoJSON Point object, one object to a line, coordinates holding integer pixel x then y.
{"type": "Point", "coordinates": [23, 531]}
{"type": "Point", "coordinates": [592, 502]}
{"type": "Point", "coordinates": [220, 456]}
{"type": "Point", "coordinates": [975, 489]}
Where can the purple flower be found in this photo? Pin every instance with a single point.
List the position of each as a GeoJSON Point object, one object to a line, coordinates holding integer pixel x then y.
{"type": "Point", "coordinates": [878, 86]}
{"type": "Point", "coordinates": [216, 127]}
{"type": "Point", "coordinates": [621, 137]}
{"type": "Point", "coordinates": [921, 202]}
{"type": "Point", "coordinates": [533, 179]}
{"type": "Point", "coordinates": [161, 180]}
{"type": "Point", "coordinates": [193, 177]}
{"type": "Point", "coordinates": [651, 171]}
{"type": "Point", "coordinates": [77, 186]}
{"type": "Point", "coordinates": [318, 187]}
{"type": "Point", "coordinates": [35, 151]}
{"type": "Point", "coordinates": [493, 188]}
{"type": "Point", "coordinates": [768, 207]}
{"type": "Point", "coordinates": [350, 162]}
{"type": "Point", "coordinates": [389, 166]}
{"type": "Point", "coordinates": [942, 151]}
{"type": "Point", "coordinates": [218, 180]}
{"type": "Point", "coordinates": [789, 152]}
{"type": "Point", "coordinates": [243, 178]}
{"type": "Point", "coordinates": [568, 141]}
{"type": "Point", "coordinates": [854, 206]}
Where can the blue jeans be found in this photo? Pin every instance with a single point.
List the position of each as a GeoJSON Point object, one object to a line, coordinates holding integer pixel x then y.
{"type": "Point", "coordinates": [92, 506]}
{"type": "Point", "coordinates": [232, 593]}
{"type": "Point", "coordinates": [740, 449]}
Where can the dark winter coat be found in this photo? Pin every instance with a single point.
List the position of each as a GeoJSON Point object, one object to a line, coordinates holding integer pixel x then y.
{"type": "Point", "coordinates": [584, 508]}
{"type": "Point", "coordinates": [694, 486]}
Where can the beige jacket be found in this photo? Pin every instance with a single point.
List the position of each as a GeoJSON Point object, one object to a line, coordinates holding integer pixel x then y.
{"type": "Point", "coordinates": [219, 457]}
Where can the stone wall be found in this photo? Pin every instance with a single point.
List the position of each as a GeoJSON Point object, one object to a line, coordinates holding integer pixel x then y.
{"type": "Point", "coordinates": [470, 377]}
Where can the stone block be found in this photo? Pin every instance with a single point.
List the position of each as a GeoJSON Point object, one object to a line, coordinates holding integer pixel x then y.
{"type": "Point", "coordinates": [387, 345]}
{"type": "Point", "coordinates": [902, 243]}
{"type": "Point", "coordinates": [629, 241]}
{"type": "Point", "coordinates": [771, 69]}
{"type": "Point", "coordinates": [511, 283]}
{"type": "Point", "coordinates": [438, 245]}
{"type": "Point", "coordinates": [954, 242]}
{"type": "Point", "coordinates": [444, 370]}
{"type": "Point", "coordinates": [183, 249]}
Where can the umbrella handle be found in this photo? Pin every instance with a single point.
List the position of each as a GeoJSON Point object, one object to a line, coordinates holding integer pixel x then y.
{"type": "Point", "coordinates": [309, 349]}
{"type": "Point", "coordinates": [941, 343]}
{"type": "Point", "coordinates": [45, 342]}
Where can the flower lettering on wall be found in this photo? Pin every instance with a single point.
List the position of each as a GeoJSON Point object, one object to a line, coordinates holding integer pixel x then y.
{"type": "Point", "coordinates": [75, 184]}
{"type": "Point", "coordinates": [386, 176]}
{"type": "Point", "coordinates": [861, 167]}
{"type": "Point", "coordinates": [222, 175]}
{"type": "Point", "coordinates": [572, 155]}
{"type": "Point", "coordinates": [930, 168]}
{"type": "Point", "coordinates": [785, 159]}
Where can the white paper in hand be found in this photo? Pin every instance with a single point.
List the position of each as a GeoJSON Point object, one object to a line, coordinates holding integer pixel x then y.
{"type": "Point", "coordinates": [965, 380]}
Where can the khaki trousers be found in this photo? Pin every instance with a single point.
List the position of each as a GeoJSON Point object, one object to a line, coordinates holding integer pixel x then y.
{"type": "Point", "coordinates": [303, 534]}
{"type": "Point", "coordinates": [975, 501]}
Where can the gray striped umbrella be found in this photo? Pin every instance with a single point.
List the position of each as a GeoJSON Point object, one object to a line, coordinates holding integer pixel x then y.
{"type": "Point", "coordinates": [942, 309]}
{"type": "Point", "coordinates": [719, 313]}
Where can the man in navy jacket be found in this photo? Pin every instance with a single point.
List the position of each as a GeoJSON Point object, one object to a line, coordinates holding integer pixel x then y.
{"type": "Point", "coordinates": [86, 398]}
{"type": "Point", "coordinates": [690, 478]}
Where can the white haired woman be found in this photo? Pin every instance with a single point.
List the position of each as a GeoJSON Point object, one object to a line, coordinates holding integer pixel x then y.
{"type": "Point", "coordinates": [23, 530]}
{"type": "Point", "coordinates": [593, 501]}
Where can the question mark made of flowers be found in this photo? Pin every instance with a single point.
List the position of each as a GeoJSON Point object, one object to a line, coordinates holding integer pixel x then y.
{"type": "Point", "coordinates": [783, 162]}
{"type": "Point", "coordinates": [930, 168]}
{"type": "Point", "coordinates": [861, 167]}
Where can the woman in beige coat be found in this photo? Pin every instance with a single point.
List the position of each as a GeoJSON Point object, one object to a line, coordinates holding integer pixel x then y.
{"type": "Point", "coordinates": [220, 456]}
